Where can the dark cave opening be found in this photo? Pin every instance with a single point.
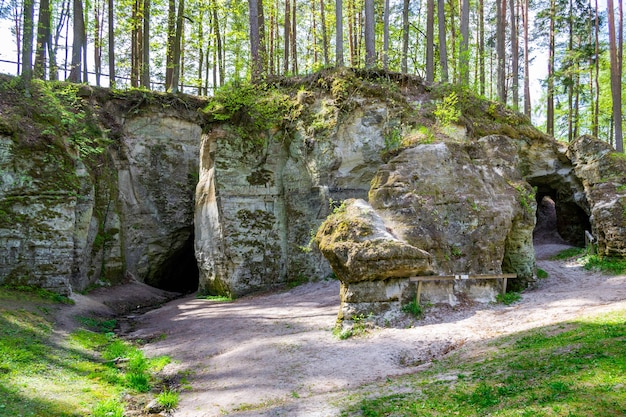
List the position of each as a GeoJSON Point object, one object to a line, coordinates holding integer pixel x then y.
{"type": "Point", "coordinates": [559, 221]}
{"type": "Point", "coordinates": [179, 273]}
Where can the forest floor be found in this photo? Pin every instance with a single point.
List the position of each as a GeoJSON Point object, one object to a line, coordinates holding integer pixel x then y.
{"type": "Point", "coordinates": [275, 354]}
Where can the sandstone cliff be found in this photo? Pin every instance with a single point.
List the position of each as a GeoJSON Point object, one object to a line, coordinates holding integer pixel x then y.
{"type": "Point", "coordinates": [226, 195]}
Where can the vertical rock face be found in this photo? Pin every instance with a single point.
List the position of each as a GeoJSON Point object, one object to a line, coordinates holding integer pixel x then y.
{"type": "Point", "coordinates": [157, 171]}
{"type": "Point", "coordinates": [38, 216]}
{"type": "Point", "coordinates": [603, 174]}
{"type": "Point", "coordinates": [65, 225]}
{"type": "Point", "coordinates": [258, 202]}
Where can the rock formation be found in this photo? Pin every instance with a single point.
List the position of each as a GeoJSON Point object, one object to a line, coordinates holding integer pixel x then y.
{"type": "Point", "coordinates": [226, 195]}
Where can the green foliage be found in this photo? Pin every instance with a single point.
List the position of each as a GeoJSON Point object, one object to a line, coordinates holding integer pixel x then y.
{"type": "Point", "coordinates": [568, 254]}
{"type": "Point", "coordinates": [541, 274]}
{"type": "Point", "coordinates": [97, 324]}
{"type": "Point", "coordinates": [40, 293]}
{"type": "Point", "coordinates": [216, 298]}
{"type": "Point", "coordinates": [358, 328]}
{"type": "Point", "coordinates": [508, 298]}
{"type": "Point", "coordinates": [447, 111]}
{"type": "Point", "coordinates": [251, 108]}
{"type": "Point", "coordinates": [413, 308]}
{"type": "Point", "coordinates": [569, 369]}
{"type": "Point", "coordinates": [608, 264]}
{"type": "Point", "coordinates": [393, 138]}
{"type": "Point", "coordinates": [168, 400]}
{"type": "Point", "coordinates": [336, 207]}
{"type": "Point", "coordinates": [108, 408]}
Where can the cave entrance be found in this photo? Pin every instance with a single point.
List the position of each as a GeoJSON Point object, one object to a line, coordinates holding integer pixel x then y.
{"type": "Point", "coordinates": [179, 272]}
{"type": "Point", "coordinates": [559, 221]}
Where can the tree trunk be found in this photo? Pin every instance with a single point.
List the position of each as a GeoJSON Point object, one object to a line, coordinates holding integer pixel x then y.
{"type": "Point", "coordinates": [339, 33]}
{"type": "Point", "coordinates": [135, 41]}
{"type": "Point", "coordinates": [77, 41]}
{"type": "Point", "coordinates": [550, 92]}
{"type": "Point", "coordinates": [404, 67]}
{"type": "Point", "coordinates": [352, 32]}
{"type": "Point", "coordinates": [171, 39]}
{"type": "Point", "coordinates": [500, 49]}
{"type": "Point", "coordinates": [294, 40]}
{"type": "Point", "coordinates": [616, 88]}
{"type": "Point", "coordinates": [386, 36]}
{"type": "Point", "coordinates": [253, 8]}
{"type": "Point", "coordinates": [430, 41]}
{"type": "Point", "coordinates": [597, 71]}
{"type": "Point", "coordinates": [443, 54]}
{"type": "Point", "coordinates": [111, 30]}
{"type": "Point", "coordinates": [145, 64]}
{"type": "Point", "coordinates": [218, 40]}
{"type": "Point", "coordinates": [180, 22]}
{"type": "Point", "coordinates": [514, 56]}
{"type": "Point", "coordinates": [481, 47]}
{"type": "Point", "coordinates": [324, 33]}
{"type": "Point", "coordinates": [286, 37]}
{"type": "Point", "coordinates": [98, 17]}
{"type": "Point", "coordinates": [43, 39]}
{"type": "Point", "coordinates": [527, 103]}
{"type": "Point", "coordinates": [370, 43]}
{"type": "Point", "coordinates": [27, 43]}
{"type": "Point", "coordinates": [18, 14]}
{"type": "Point", "coordinates": [262, 45]}
{"type": "Point", "coordinates": [464, 45]}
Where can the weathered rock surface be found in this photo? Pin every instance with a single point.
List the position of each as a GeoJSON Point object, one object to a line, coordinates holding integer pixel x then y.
{"type": "Point", "coordinates": [449, 201]}
{"type": "Point", "coordinates": [462, 202]}
{"type": "Point", "coordinates": [257, 206]}
{"type": "Point", "coordinates": [67, 225]}
{"type": "Point", "coordinates": [603, 174]}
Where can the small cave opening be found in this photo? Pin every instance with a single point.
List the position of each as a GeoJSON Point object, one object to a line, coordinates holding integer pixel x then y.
{"type": "Point", "coordinates": [179, 272]}
{"type": "Point", "coordinates": [559, 221]}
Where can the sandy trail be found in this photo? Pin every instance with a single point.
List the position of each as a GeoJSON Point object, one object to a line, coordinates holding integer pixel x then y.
{"type": "Point", "coordinates": [275, 355]}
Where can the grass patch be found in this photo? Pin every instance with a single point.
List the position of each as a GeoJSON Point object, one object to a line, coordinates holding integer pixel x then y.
{"type": "Point", "coordinates": [571, 369]}
{"type": "Point", "coordinates": [216, 298]}
{"type": "Point", "coordinates": [508, 298]}
{"type": "Point", "coordinates": [541, 274]}
{"type": "Point", "coordinates": [97, 325]}
{"type": "Point", "coordinates": [610, 265]}
{"type": "Point", "coordinates": [84, 374]}
{"type": "Point", "coordinates": [568, 254]}
{"type": "Point", "coordinates": [168, 400]}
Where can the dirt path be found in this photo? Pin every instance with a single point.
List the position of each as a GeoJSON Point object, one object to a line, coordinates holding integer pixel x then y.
{"type": "Point", "coordinates": [275, 355]}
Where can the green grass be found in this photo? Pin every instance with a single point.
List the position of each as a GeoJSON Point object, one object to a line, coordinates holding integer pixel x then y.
{"type": "Point", "coordinates": [216, 298]}
{"type": "Point", "coordinates": [508, 298]}
{"type": "Point", "coordinates": [168, 399]}
{"type": "Point", "coordinates": [413, 308]}
{"type": "Point", "coordinates": [43, 374]}
{"type": "Point", "coordinates": [610, 265]}
{"type": "Point", "coordinates": [568, 254]}
{"type": "Point", "coordinates": [541, 274]}
{"type": "Point", "coordinates": [570, 369]}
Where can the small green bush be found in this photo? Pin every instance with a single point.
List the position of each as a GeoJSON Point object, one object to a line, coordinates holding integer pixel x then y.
{"type": "Point", "coordinates": [168, 399]}
{"type": "Point", "coordinates": [108, 408]}
{"type": "Point", "coordinates": [541, 274]}
{"type": "Point", "coordinates": [508, 298]}
{"type": "Point", "coordinates": [413, 308]}
{"type": "Point", "coordinates": [138, 381]}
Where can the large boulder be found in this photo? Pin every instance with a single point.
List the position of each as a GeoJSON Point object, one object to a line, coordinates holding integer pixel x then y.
{"type": "Point", "coordinates": [444, 208]}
